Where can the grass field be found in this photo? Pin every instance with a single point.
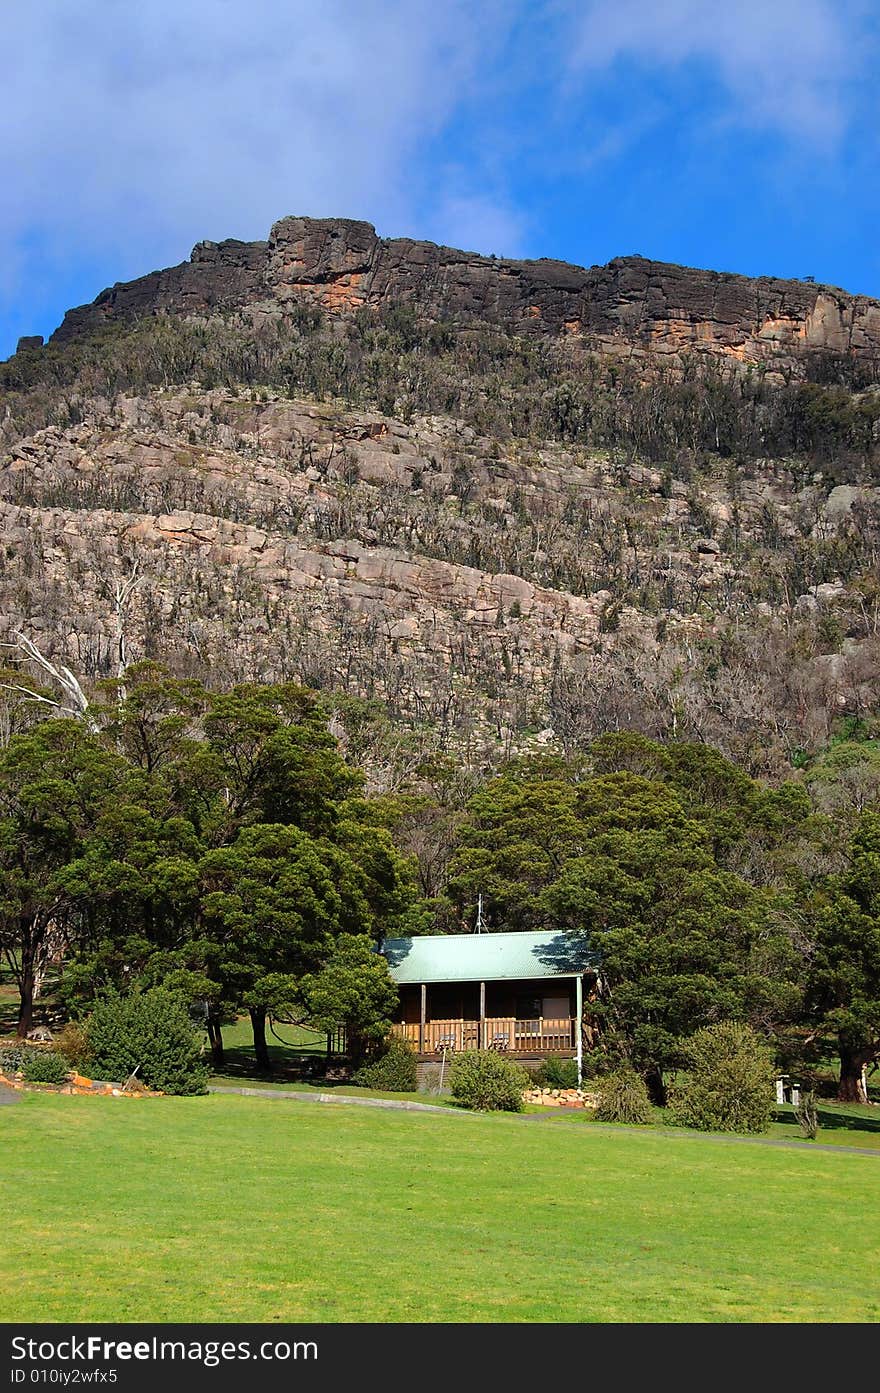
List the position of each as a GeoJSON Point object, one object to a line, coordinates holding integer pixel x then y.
{"type": "Point", "coordinates": [226, 1208]}
{"type": "Point", "coordinates": [841, 1124]}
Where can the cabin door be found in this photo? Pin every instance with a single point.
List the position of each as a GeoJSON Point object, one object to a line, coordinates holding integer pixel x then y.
{"type": "Point", "coordinates": [556, 1008]}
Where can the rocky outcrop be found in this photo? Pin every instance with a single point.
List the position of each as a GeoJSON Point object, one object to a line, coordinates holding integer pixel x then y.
{"type": "Point", "coordinates": [218, 276]}
{"type": "Point", "coordinates": [632, 307]}
{"type": "Point", "coordinates": [491, 591]}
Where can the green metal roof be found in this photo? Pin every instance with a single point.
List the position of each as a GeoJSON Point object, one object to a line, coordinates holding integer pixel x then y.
{"type": "Point", "coordinates": [487, 957]}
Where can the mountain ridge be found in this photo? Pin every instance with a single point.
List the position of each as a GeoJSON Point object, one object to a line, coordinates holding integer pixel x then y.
{"type": "Point", "coordinates": [367, 466]}
{"type": "Point", "coordinates": [631, 306]}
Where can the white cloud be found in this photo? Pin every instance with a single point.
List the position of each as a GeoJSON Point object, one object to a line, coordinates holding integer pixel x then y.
{"type": "Point", "coordinates": [130, 131]}
{"type": "Point", "coordinates": [476, 222]}
{"type": "Point", "coordinates": [784, 64]}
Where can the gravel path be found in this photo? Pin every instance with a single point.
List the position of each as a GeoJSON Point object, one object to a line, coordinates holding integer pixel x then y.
{"type": "Point", "coordinates": [393, 1104]}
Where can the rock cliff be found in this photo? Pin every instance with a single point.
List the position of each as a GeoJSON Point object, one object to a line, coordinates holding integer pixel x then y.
{"type": "Point", "coordinates": [632, 307]}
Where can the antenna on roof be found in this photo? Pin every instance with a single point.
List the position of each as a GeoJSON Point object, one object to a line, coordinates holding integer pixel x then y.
{"type": "Point", "coordinates": [479, 927]}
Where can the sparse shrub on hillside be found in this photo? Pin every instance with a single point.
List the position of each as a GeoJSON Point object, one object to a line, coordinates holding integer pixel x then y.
{"type": "Point", "coordinates": [487, 1082]}
{"type": "Point", "coordinates": [729, 1084]}
{"type": "Point", "coordinates": [623, 1097]}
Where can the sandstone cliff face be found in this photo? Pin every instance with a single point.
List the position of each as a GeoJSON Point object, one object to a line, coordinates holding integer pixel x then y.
{"type": "Point", "coordinates": [632, 307]}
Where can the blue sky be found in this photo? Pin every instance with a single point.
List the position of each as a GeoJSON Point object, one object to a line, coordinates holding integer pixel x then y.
{"type": "Point", "coordinates": [741, 137]}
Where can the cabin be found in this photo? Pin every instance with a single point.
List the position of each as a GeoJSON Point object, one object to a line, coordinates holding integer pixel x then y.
{"type": "Point", "coordinates": [519, 993]}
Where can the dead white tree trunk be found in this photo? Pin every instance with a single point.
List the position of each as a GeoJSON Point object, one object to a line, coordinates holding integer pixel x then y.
{"type": "Point", "coordinates": [121, 595]}
{"type": "Point", "coordinates": [73, 700]}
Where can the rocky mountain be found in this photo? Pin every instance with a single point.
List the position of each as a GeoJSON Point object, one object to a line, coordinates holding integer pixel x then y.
{"type": "Point", "coordinates": [632, 307]}
{"type": "Point", "coordinates": [516, 503]}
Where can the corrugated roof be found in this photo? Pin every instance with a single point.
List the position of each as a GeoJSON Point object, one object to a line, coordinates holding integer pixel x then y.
{"type": "Point", "coordinates": [488, 957]}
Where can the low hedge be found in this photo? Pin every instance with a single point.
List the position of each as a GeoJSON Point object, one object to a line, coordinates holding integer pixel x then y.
{"type": "Point", "coordinates": [555, 1072]}
{"type": "Point", "coordinates": [12, 1058]}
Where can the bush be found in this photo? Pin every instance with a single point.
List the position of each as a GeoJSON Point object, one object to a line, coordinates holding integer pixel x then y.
{"type": "Point", "coordinates": [623, 1097]}
{"type": "Point", "coordinates": [556, 1073]}
{"type": "Point", "coordinates": [807, 1115]}
{"type": "Point", "coordinates": [729, 1086]}
{"type": "Point", "coordinates": [73, 1042]}
{"type": "Point", "coordinates": [12, 1058]}
{"type": "Point", "coordinates": [487, 1081]}
{"type": "Point", "coordinates": [393, 1072]}
{"type": "Point", "coordinates": [149, 1031]}
{"type": "Point", "coordinates": [45, 1066]}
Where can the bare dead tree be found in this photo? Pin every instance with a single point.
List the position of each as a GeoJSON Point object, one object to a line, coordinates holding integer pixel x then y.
{"type": "Point", "coordinates": [72, 701]}
{"type": "Point", "coordinates": [121, 594]}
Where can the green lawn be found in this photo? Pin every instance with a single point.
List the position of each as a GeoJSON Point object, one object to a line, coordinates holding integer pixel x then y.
{"type": "Point", "coordinates": [841, 1124]}
{"type": "Point", "coordinates": [227, 1208]}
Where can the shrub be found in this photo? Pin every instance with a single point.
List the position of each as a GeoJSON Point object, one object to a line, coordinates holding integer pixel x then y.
{"type": "Point", "coordinates": [488, 1082]}
{"type": "Point", "coordinates": [556, 1073]}
{"type": "Point", "coordinates": [729, 1086]}
{"type": "Point", "coordinates": [73, 1042]}
{"type": "Point", "coordinates": [45, 1066]}
{"type": "Point", "coordinates": [807, 1115]}
{"type": "Point", "coordinates": [12, 1058]}
{"type": "Point", "coordinates": [149, 1031]}
{"type": "Point", "coordinates": [392, 1072]}
{"type": "Point", "coordinates": [623, 1097]}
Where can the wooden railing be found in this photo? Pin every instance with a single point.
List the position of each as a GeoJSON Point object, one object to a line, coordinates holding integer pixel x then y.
{"type": "Point", "coordinates": [542, 1036]}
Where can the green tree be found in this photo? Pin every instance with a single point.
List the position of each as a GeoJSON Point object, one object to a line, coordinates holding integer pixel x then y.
{"type": "Point", "coordinates": [354, 991]}
{"type": "Point", "coordinates": [272, 760]}
{"type": "Point", "coordinates": [641, 863]}
{"type": "Point", "coordinates": [273, 905]}
{"type": "Point", "coordinates": [240, 851]}
{"type": "Point", "coordinates": [843, 996]}
{"type": "Point", "coordinates": [57, 782]}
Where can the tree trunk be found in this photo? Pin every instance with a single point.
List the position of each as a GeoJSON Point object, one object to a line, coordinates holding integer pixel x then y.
{"type": "Point", "coordinates": [26, 984]}
{"type": "Point", "coordinates": [355, 1047]}
{"type": "Point", "coordinates": [656, 1086]}
{"type": "Point", "coordinates": [215, 1039]}
{"type": "Point", "coordinates": [261, 1049]}
{"type": "Point", "coordinates": [852, 1062]}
